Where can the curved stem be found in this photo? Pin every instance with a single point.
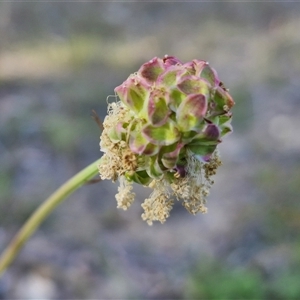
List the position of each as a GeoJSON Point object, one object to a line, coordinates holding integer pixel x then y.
{"type": "Point", "coordinates": [43, 211]}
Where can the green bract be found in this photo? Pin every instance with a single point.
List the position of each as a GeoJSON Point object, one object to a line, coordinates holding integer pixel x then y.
{"type": "Point", "coordinates": [174, 108]}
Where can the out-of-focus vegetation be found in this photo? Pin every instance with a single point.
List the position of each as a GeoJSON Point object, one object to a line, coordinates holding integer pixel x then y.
{"type": "Point", "coordinates": [58, 61]}
{"type": "Point", "coordinates": [219, 280]}
{"type": "Point", "coordinates": [215, 280]}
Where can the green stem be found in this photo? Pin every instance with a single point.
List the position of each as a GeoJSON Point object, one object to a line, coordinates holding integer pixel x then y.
{"type": "Point", "coordinates": [43, 211]}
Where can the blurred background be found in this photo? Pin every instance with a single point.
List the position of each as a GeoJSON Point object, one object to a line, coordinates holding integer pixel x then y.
{"type": "Point", "coordinates": [59, 61]}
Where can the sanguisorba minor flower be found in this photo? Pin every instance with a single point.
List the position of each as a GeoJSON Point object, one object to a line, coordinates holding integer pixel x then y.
{"type": "Point", "coordinates": [163, 132]}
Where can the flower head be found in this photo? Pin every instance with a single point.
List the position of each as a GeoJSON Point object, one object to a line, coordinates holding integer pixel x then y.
{"type": "Point", "coordinates": [164, 132]}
